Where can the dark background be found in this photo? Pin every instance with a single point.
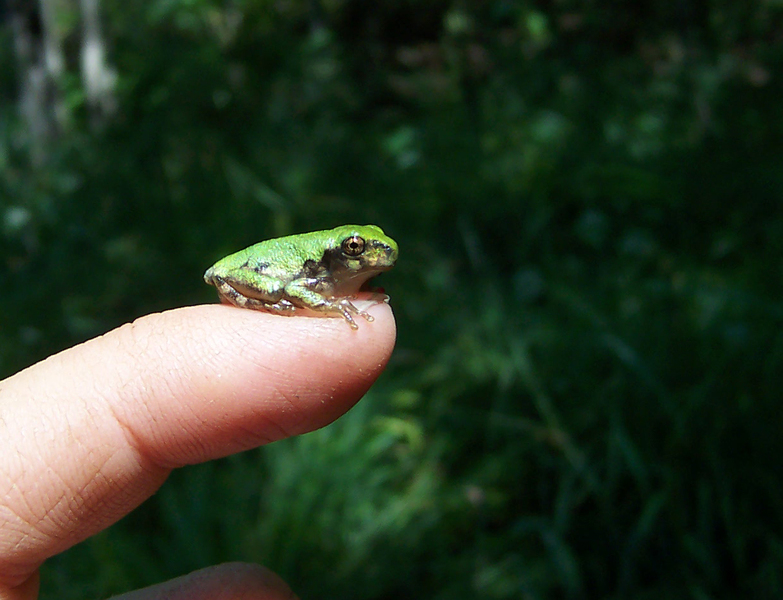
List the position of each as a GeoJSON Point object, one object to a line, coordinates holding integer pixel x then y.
{"type": "Point", "coordinates": [584, 401]}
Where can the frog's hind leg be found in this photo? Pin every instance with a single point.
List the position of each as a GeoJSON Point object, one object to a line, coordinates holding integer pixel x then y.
{"type": "Point", "coordinates": [283, 307]}
{"type": "Point", "coordinates": [227, 291]}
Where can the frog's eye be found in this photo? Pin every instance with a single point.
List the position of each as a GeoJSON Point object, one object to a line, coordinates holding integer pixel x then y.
{"type": "Point", "coordinates": [353, 246]}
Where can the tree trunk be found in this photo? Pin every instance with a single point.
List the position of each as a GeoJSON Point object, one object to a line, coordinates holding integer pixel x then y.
{"type": "Point", "coordinates": [39, 32]}
{"type": "Point", "coordinates": [40, 63]}
{"type": "Point", "coordinates": [98, 78]}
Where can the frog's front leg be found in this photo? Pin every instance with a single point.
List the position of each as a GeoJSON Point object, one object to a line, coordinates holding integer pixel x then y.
{"type": "Point", "coordinates": [315, 295]}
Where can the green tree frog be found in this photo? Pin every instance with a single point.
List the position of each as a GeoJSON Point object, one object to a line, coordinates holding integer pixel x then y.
{"type": "Point", "coordinates": [319, 271]}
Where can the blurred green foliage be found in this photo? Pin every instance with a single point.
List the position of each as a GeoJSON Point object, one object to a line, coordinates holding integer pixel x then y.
{"type": "Point", "coordinates": [584, 401]}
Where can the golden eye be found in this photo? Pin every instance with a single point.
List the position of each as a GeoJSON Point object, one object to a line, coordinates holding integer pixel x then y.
{"type": "Point", "coordinates": [353, 246]}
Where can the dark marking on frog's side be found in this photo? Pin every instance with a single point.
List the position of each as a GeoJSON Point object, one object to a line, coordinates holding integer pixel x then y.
{"type": "Point", "coordinates": [331, 258]}
{"type": "Point", "coordinates": [314, 269]}
{"type": "Point", "coordinates": [257, 267]}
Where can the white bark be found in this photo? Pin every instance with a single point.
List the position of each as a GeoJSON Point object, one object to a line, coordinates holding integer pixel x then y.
{"type": "Point", "coordinates": [54, 56]}
{"type": "Point", "coordinates": [39, 42]}
{"type": "Point", "coordinates": [98, 77]}
{"type": "Point", "coordinates": [40, 28]}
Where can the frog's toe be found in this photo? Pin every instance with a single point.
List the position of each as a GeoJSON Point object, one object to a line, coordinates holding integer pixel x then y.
{"type": "Point", "coordinates": [346, 307]}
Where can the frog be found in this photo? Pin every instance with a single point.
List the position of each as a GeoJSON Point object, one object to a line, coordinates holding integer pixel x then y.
{"type": "Point", "coordinates": [320, 271]}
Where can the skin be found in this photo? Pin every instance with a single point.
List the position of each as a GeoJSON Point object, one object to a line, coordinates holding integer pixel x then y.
{"type": "Point", "coordinates": [319, 271]}
{"type": "Point", "coordinates": [90, 433]}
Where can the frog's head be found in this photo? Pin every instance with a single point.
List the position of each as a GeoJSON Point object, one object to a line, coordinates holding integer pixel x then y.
{"type": "Point", "coordinates": [359, 252]}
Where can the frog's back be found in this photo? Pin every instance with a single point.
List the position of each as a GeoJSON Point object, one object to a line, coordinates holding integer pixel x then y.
{"type": "Point", "coordinates": [284, 257]}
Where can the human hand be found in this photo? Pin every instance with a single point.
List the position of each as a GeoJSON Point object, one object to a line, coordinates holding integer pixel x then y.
{"type": "Point", "coordinates": [89, 434]}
